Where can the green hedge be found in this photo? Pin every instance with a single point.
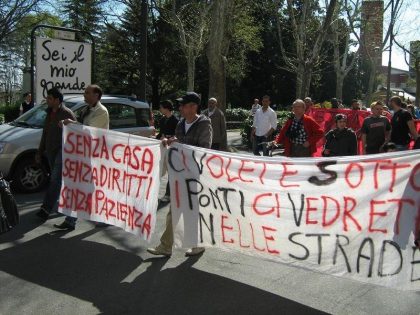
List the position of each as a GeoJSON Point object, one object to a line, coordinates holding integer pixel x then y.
{"type": "Point", "coordinates": [237, 114]}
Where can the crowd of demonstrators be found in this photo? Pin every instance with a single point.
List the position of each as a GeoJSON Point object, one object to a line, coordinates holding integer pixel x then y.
{"type": "Point", "coordinates": [218, 123]}
{"type": "Point", "coordinates": [27, 103]}
{"type": "Point", "coordinates": [340, 141]}
{"type": "Point", "coordinates": [300, 134]}
{"type": "Point", "coordinates": [196, 130]}
{"type": "Point", "coordinates": [265, 124]}
{"type": "Point", "coordinates": [376, 130]}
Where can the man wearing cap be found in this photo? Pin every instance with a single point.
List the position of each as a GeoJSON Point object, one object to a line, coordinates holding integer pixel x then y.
{"type": "Point", "coordinates": [196, 130]}
{"type": "Point", "coordinates": [218, 123]}
{"type": "Point", "coordinates": [340, 141]}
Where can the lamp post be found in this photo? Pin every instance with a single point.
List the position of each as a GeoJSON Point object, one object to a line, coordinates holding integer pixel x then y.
{"type": "Point", "coordinates": [391, 41]}
{"type": "Point", "coordinates": [143, 55]}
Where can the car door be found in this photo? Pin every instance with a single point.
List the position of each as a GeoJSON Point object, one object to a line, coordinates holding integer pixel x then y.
{"type": "Point", "coordinates": [126, 118]}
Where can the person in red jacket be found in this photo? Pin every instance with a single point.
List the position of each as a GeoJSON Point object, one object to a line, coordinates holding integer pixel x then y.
{"type": "Point", "coordinates": [300, 133]}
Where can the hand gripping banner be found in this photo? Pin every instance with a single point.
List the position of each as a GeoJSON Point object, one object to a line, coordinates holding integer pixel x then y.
{"type": "Point", "coordinates": [353, 217]}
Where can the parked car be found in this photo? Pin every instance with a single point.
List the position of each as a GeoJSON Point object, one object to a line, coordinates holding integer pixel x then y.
{"type": "Point", "coordinates": [20, 138]}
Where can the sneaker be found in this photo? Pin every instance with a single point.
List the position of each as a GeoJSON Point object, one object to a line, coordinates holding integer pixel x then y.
{"type": "Point", "coordinates": [64, 226]}
{"type": "Point", "coordinates": [43, 214]}
{"type": "Point", "coordinates": [194, 251]}
{"type": "Point", "coordinates": [159, 251]}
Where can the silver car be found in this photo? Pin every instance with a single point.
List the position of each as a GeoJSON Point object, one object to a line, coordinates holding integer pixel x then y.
{"type": "Point", "coordinates": [19, 140]}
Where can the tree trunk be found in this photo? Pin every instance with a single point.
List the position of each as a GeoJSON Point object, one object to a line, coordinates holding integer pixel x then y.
{"type": "Point", "coordinates": [371, 85]}
{"type": "Point", "coordinates": [307, 82]}
{"type": "Point", "coordinates": [300, 73]}
{"type": "Point", "coordinates": [190, 73]}
{"type": "Point", "coordinates": [217, 81]}
{"type": "Point", "coordinates": [217, 50]}
{"type": "Point", "coordinates": [339, 85]}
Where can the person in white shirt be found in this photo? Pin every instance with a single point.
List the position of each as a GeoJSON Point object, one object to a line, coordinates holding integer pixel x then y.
{"type": "Point", "coordinates": [265, 123]}
{"type": "Point", "coordinates": [254, 107]}
{"type": "Point", "coordinates": [94, 115]}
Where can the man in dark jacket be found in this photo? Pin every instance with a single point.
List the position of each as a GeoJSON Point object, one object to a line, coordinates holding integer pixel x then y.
{"type": "Point", "coordinates": [51, 143]}
{"type": "Point", "coordinates": [193, 129]}
{"type": "Point", "coordinates": [340, 141]}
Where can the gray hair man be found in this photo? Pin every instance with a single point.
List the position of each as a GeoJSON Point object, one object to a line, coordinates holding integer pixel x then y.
{"type": "Point", "coordinates": [218, 123]}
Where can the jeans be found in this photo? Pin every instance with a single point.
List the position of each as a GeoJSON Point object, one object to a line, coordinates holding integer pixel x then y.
{"type": "Point", "coordinates": [258, 146]}
{"type": "Point", "coordinates": [298, 150]}
{"type": "Point", "coordinates": [50, 202]}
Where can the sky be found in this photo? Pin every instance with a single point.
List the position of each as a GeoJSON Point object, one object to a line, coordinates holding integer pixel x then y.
{"type": "Point", "coordinates": [407, 29]}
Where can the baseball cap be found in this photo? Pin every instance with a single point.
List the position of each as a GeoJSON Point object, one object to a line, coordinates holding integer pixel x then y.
{"type": "Point", "coordinates": [190, 97]}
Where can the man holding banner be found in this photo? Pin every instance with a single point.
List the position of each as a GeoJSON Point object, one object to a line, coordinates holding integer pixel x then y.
{"type": "Point", "coordinates": [51, 143]}
{"type": "Point", "coordinates": [194, 130]}
{"type": "Point", "coordinates": [93, 115]}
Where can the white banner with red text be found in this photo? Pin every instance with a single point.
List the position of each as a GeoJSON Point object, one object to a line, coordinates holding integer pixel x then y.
{"type": "Point", "coordinates": [353, 217]}
{"type": "Point", "coordinates": [110, 177]}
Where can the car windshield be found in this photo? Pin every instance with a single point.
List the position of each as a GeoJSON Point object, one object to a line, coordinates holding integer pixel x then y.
{"type": "Point", "coordinates": [34, 118]}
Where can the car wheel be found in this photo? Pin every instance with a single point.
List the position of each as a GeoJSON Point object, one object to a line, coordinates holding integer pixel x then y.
{"type": "Point", "coordinates": [29, 176]}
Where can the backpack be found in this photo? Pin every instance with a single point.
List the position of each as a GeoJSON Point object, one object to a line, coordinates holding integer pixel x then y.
{"type": "Point", "coordinates": [9, 215]}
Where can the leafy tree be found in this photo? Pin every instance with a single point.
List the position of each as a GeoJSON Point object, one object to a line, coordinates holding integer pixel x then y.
{"type": "Point", "coordinates": [84, 15]}
{"type": "Point", "coordinates": [12, 12]}
{"type": "Point", "coordinates": [309, 25]}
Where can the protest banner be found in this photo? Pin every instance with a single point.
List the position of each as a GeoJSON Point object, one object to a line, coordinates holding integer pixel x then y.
{"type": "Point", "coordinates": [63, 64]}
{"type": "Point", "coordinates": [110, 177]}
{"type": "Point", "coordinates": [353, 217]}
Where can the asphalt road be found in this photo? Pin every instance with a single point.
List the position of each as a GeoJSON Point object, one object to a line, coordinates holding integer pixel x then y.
{"type": "Point", "coordinates": [108, 271]}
